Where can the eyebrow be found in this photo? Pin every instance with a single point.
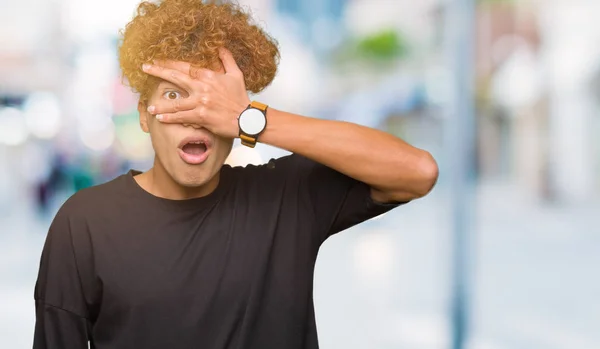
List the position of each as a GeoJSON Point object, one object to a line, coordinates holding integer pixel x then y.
{"type": "Point", "coordinates": [166, 84]}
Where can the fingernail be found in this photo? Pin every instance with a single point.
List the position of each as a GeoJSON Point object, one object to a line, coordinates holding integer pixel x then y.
{"type": "Point", "coordinates": [145, 66]}
{"type": "Point", "coordinates": [159, 117]}
{"type": "Point", "coordinates": [151, 109]}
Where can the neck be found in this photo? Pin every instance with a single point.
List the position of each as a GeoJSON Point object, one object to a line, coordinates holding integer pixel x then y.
{"type": "Point", "coordinates": [159, 183]}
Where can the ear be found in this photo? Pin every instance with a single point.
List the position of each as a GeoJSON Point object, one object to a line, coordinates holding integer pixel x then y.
{"type": "Point", "coordinates": [142, 109]}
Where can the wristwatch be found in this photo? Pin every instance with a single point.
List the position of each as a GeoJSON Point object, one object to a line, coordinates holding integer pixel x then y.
{"type": "Point", "coordinates": [252, 122]}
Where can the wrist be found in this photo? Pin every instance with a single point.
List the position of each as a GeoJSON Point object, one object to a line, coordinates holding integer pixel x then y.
{"type": "Point", "coordinates": [291, 132]}
{"type": "Point", "coordinates": [252, 122]}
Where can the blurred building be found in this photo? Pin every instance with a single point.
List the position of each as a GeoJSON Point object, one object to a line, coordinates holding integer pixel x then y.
{"type": "Point", "coordinates": [537, 103]}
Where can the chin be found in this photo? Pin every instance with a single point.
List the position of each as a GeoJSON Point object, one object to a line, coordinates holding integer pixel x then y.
{"type": "Point", "coordinates": [191, 183]}
{"type": "Point", "coordinates": [189, 179]}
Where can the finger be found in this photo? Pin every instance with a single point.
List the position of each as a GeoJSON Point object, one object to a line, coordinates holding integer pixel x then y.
{"type": "Point", "coordinates": [182, 117]}
{"type": "Point", "coordinates": [229, 63]}
{"type": "Point", "coordinates": [183, 67]}
{"type": "Point", "coordinates": [174, 76]}
{"type": "Point", "coordinates": [204, 74]}
{"type": "Point", "coordinates": [186, 68]}
{"type": "Point", "coordinates": [172, 106]}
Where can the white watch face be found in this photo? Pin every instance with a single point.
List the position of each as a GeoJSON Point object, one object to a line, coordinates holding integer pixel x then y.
{"type": "Point", "coordinates": [252, 121]}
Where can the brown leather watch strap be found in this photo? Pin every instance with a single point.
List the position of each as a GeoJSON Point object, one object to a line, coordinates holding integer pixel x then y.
{"type": "Point", "coordinates": [259, 105]}
{"type": "Point", "coordinates": [248, 141]}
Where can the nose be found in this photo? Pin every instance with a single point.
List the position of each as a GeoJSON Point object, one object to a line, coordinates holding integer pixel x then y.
{"type": "Point", "coordinates": [196, 126]}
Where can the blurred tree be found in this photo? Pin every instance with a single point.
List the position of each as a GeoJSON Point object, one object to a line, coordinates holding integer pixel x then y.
{"type": "Point", "coordinates": [378, 50]}
{"type": "Point", "coordinates": [384, 45]}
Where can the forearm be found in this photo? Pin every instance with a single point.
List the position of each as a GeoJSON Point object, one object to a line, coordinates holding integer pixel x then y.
{"type": "Point", "coordinates": [384, 162]}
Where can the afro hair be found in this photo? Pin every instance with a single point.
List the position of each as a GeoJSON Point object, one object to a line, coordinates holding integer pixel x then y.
{"type": "Point", "coordinates": [192, 31]}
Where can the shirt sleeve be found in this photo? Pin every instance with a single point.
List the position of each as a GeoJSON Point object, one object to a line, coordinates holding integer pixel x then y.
{"type": "Point", "coordinates": [59, 328]}
{"type": "Point", "coordinates": [338, 201]}
{"type": "Point", "coordinates": [61, 310]}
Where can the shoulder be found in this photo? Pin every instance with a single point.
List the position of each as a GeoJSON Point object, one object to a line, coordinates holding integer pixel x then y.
{"type": "Point", "coordinates": [92, 199]}
{"type": "Point", "coordinates": [278, 178]}
{"type": "Point", "coordinates": [293, 169]}
{"type": "Point", "coordinates": [84, 209]}
{"type": "Point", "coordinates": [287, 164]}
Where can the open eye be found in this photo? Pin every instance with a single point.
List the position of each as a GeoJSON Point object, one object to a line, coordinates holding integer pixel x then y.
{"type": "Point", "coordinates": [172, 95]}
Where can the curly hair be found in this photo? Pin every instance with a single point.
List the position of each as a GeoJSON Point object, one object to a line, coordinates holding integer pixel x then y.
{"type": "Point", "coordinates": [192, 31]}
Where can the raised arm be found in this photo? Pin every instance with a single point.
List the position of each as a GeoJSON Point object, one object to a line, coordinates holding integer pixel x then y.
{"type": "Point", "coordinates": [395, 170]}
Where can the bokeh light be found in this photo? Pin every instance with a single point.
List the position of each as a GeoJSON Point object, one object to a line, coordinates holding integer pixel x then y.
{"type": "Point", "coordinates": [43, 115]}
{"type": "Point", "coordinates": [13, 129]}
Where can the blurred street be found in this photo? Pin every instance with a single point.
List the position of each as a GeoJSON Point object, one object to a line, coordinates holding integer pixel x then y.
{"type": "Point", "coordinates": [535, 281]}
{"type": "Point", "coordinates": [526, 134]}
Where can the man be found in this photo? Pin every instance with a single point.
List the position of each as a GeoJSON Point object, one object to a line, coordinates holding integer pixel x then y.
{"type": "Point", "coordinates": [194, 253]}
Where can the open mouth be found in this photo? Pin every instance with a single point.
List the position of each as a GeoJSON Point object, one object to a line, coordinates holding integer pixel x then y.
{"type": "Point", "coordinates": [194, 148]}
{"type": "Point", "coordinates": [194, 151]}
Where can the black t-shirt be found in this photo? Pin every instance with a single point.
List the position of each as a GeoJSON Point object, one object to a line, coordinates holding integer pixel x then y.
{"type": "Point", "coordinates": [127, 270]}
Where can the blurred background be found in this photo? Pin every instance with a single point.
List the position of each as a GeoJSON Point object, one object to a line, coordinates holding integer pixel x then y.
{"type": "Point", "coordinates": [504, 94]}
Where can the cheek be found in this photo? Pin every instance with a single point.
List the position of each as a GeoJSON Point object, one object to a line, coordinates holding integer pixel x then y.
{"type": "Point", "coordinates": [162, 136]}
{"type": "Point", "coordinates": [224, 147]}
